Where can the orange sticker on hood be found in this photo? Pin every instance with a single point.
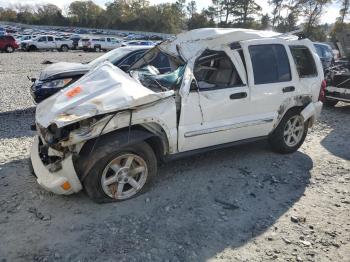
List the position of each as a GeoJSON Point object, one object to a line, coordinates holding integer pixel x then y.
{"type": "Point", "coordinates": [75, 91]}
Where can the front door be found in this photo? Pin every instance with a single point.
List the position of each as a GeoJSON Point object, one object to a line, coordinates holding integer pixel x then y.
{"type": "Point", "coordinates": [273, 81]}
{"type": "Point", "coordinates": [216, 109]}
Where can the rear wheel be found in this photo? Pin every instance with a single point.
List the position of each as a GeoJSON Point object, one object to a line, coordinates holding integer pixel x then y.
{"type": "Point", "coordinates": [120, 174]}
{"type": "Point", "coordinates": [9, 49]}
{"type": "Point", "coordinates": [290, 133]}
{"type": "Point", "coordinates": [97, 49]}
{"type": "Point", "coordinates": [32, 48]}
{"type": "Point", "coordinates": [64, 48]}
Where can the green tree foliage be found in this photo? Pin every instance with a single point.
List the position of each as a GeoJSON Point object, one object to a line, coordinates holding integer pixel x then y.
{"type": "Point", "coordinates": [344, 11]}
{"type": "Point", "coordinates": [265, 22]}
{"type": "Point", "coordinates": [85, 13]}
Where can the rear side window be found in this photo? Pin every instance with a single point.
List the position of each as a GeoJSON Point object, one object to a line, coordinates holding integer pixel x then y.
{"type": "Point", "coordinates": [270, 64]}
{"type": "Point", "coordinates": [304, 61]}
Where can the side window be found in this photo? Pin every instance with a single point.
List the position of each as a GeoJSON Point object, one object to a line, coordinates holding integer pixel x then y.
{"type": "Point", "coordinates": [270, 64]}
{"type": "Point", "coordinates": [50, 38]}
{"type": "Point", "coordinates": [162, 63]}
{"type": "Point", "coordinates": [42, 39]}
{"type": "Point", "coordinates": [304, 61]}
{"type": "Point", "coordinates": [108, 40]}
{"type": "Point", "coordinates": [130, 59]}
{"type": "Point", "coordinates": [214, 69]}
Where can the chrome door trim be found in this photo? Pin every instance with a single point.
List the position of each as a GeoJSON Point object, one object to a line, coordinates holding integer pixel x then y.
{"type": "Point", "coordinates": [228, 127]}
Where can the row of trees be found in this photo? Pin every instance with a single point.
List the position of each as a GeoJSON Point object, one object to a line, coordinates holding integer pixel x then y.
{"type": "Point", "coordinates": [182, 15]}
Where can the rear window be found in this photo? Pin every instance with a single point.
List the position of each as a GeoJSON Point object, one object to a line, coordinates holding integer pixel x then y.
{"type": "Point", "coordinates": [270, 64]}
{"type": "Point", "coordinates": [304, 61]}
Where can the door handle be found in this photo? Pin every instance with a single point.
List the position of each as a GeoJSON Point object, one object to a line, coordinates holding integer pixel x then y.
{"type": "Point", "coordinates": [238, 95]}
{"type": "Point", "coordinates": [288, 89]}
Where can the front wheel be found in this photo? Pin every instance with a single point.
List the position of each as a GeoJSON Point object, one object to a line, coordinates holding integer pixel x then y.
{"type": "Point", "coordinates": [120, 174]}
{"type": "Point", "coordinates": [290, 134]}
{"type": "Point", "coordinates": [9, 49]}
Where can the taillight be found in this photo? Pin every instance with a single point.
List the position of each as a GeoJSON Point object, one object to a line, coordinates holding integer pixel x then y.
{"type": "Point", "coordinates": [322, 95]}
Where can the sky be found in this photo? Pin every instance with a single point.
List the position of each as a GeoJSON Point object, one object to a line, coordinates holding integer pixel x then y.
{"type": "Point", "coordinates": [329, 17]}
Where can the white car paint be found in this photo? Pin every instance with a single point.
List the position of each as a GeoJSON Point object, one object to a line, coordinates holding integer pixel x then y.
{"type": "Point", "coordinates": [104, 43]}
{"type": "Point", "coordinates": [207, 118]}
{"type": "Point", "coordinates": [47, 42]}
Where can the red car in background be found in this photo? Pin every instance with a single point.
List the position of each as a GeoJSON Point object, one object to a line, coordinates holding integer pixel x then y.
{"type": "Point", "coordinates": [8, 43]}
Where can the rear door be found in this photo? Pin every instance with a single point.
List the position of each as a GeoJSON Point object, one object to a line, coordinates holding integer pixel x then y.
{"type": "Point", "coordinates": [272, 78]}
{"type": "Point", "coordinates": [310, 74]}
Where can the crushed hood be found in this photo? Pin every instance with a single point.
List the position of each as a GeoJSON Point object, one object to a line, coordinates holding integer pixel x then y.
{"type": "Point", "coordinates": [190, 43]}
{"type": "Point", "coordinates": [64, 69]}
{"type": "Point", "coordinates": [103, 90]}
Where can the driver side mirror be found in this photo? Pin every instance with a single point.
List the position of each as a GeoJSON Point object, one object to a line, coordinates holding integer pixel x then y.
{"type": "Point", "coordinates": [194, 86]}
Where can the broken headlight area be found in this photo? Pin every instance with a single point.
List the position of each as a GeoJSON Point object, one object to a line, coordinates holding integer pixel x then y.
{"type": "Point", "coordinates": [53, 135]}
{"type": "Point", "coordinates": [53, 162]}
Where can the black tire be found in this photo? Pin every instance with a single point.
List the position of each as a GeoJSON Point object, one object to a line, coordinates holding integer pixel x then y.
{"type": "Point", "coordinates": [277, 138]}
{"type": "Point", "coordinates": [330, 103]}
{"type": "Point", "coordinates": [64, 48]}
{"type": "Point", "coordinates": [104, 154]}
{"type": "Point", "coordinates": [9, 49]}
{"type": "Point", "coordinates": [32, 48]}
{"type": "Point", "coordinates": [97, 49]}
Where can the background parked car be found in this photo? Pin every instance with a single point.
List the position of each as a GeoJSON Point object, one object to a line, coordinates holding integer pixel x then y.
{"type": "Point", "coordinates": [325, 53]}
{"type": "Point", "coordinates": [21, 38]}
{"type": "Point", "coordinates": [57, 76]}
{"type": "Point", "coordinates": [133, 43]}
{"type": "Point", "coordinates": [8, 43]}
{"type": "Point", "coordinates": [47, 42]}
{"type": "Point", "coordinates": [99, 44]}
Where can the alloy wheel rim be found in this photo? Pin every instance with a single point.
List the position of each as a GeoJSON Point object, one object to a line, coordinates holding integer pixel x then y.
{"type": "Point", "coordinates": [124, 176]}
{"type": "Point", "coordinates": [293, 131]}
{"type": "Point", "coordinates": [9, 49]}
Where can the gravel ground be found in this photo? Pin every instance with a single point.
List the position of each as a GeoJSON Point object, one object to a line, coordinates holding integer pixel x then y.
{"type": "Point", "coordinates": [238, 204]}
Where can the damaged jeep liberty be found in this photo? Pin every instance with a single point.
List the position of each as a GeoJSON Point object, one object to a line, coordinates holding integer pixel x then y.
{"type": "Point", "coordinates": [108, 131]}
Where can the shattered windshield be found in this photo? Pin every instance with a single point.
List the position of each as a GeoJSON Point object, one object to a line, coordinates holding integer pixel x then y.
{"type": "Point", "coordinates": [150, 77]}
{"type": "Point", "coordinates": [158, 71]}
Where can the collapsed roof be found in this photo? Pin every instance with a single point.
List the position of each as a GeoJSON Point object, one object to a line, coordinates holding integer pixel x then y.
{"type": "Point", "coordinates": [188, 44]}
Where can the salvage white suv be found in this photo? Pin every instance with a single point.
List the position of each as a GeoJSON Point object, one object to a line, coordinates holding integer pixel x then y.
{"type": "Point", "coordinates": [108, 131]}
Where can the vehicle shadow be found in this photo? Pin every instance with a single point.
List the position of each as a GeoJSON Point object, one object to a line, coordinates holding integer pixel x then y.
{"type": "Point", "coordinates": [20, 120]}
{"type": "Point", "coordinates": [196, 208]}
{"type": "Point", "coordinates": [336, 142]}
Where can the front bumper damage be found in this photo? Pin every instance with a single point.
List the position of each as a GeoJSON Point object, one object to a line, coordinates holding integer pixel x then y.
{"type": "Point", "coordinates": [65, 181]}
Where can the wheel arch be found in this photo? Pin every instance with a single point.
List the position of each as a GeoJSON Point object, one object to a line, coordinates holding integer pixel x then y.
{"type": "Point", "coordinates": [156, 139]}
{"type": "Point", "coordinates": [292, 103]}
